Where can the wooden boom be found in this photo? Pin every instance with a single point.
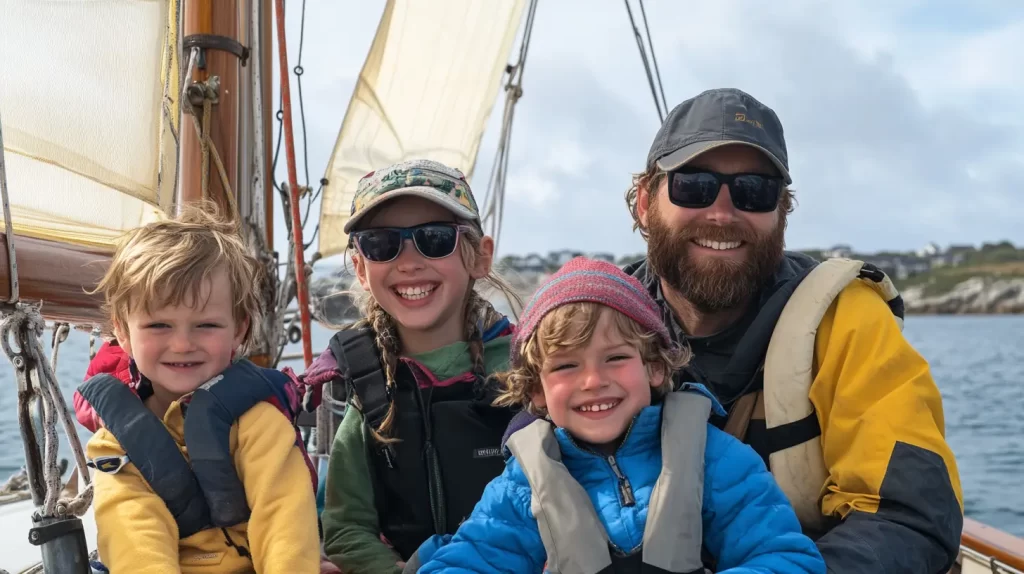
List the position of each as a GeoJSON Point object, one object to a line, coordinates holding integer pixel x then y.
{"type": "Point", "coordinates": [59, 275]}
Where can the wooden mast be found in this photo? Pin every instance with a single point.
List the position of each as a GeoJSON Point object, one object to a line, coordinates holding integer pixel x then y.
{"type": "Point", "coordinates": [216, 22]}
{"type": "Point", "coordinates": [224, 31]}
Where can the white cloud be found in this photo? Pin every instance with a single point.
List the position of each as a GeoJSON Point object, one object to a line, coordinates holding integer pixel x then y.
{"type": "Point", "coordinates": [533, 189]}
{"type": "Point", "coordinates": [568, 157]}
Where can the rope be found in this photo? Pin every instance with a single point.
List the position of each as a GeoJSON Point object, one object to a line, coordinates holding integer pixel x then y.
{"type": "Point", "coordinates": [661, 106]}
{"type": "Point", "coordinates": [208, 91]}
{"type": "Point", "coordinates": [334, 405]}
{"type": "Point", "coordinates": [8, 226]}
{"type": "Point", "coordinates": [30, 364]}
{"type": "Point", "coordinates": [259, 167]}
{"type": "Point", "coordinates": [60, 334]}
{"type": "Point", "coordinates": [166, 100]}
{"type": "Point", "coordinates": [204, 145]}
{"type": "Point", "coordinates": [494, 208]}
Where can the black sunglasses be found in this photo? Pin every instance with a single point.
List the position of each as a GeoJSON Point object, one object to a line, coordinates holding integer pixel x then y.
{"type": "Point", "coordinates": [698, 188]}
{"type": "Point", "coordinates": [383, 244]}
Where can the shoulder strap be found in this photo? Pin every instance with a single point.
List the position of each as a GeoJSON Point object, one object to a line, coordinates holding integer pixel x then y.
{"type": "Point", "coordinates": [573, 536]}
{"type": "Point", "coordinates": [746, 362]}
{"type": "Point", "coordinates": [151, 449]}
{"type": "Point", "coordinates": [673, 536]}
{"type": "Point", "coordinates": [213, 408]}
{"type": "Point", "coordinates": [740, 413]}
{"type": "Point", "coordinates": [798, 463]}
{"type": "Point", "coordinates": [358, 359]}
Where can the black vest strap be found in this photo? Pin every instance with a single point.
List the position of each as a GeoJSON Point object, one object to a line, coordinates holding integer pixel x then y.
{"type": "Point", "coordinates": [744, 371]}
{"type": "Point", "coordinates": [896, 305]}
{"type": "Point", "coordinates": [766, 440]}
{"type": "Point", "coordinates": [151, 449]}
{"type": "Point", "coordinates": [358, 360]}
{"type": "Point", "coordinates": [214, 407]}
{"type": "Point", "coordinates": [633, 564]}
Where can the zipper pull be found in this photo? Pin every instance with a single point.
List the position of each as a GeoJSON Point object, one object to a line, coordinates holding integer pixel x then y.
{"type": "Point", "coordinates": [386, 451]}
{"type": "Point", "coordinates": [625, 490]}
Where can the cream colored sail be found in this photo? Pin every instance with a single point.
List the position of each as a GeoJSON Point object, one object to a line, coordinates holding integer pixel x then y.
{"type": "Point", "coordinates": [82, 86]}
{"type": "Point", "coordinates": [426, 91]}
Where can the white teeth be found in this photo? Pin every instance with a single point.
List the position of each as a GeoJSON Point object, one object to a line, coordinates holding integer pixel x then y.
{"type": "Point", "coordinates": [717, 245]}
{"type": "Point", "coordinates": [414, 293]}
{"type": "Point", "coordinates": [597, 407]}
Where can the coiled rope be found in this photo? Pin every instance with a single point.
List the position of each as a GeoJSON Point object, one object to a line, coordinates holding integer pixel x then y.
{"type": "Point", "coordinates": [36, 379]}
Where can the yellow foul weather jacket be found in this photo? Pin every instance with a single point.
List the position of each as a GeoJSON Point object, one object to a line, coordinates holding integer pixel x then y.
{"type": "Point", "coordinates": [892, 476]}
{"type": "Point", "coordinates": [891, 498]}
{"type": "Point", "coordinates": [138, 534]}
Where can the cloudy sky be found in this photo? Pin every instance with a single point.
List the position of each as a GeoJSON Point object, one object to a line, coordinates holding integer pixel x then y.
{"type": "Point", "coordinates": [903, 118]}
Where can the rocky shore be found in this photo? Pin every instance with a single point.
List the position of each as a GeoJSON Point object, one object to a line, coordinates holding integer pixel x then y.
{"type": "Point", "coordinates": [977, 295]}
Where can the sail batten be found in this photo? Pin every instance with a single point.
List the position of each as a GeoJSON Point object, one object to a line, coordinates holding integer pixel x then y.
{"type": "Point", "coordinates": [82, 91]}
{"type": "Point", "coordinates": [426, 90]}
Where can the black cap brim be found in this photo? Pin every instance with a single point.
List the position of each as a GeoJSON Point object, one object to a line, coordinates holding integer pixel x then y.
{"type": "Point", "coordinates": [686, 154]}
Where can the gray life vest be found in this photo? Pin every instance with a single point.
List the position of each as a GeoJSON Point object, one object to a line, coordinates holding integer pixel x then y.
{"type": "Point", "coordinates": [574, 538]}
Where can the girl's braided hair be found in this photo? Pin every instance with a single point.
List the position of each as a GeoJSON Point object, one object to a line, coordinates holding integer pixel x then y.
{"type": "Point", "coordinates": [480, 314]}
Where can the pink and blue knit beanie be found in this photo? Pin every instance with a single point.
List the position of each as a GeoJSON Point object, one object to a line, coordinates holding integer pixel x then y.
{"type": "Point", "coordinates": [584, 279]}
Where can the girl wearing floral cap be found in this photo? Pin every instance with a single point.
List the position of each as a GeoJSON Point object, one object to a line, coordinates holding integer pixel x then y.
{"type": "Point", "coordinates": [420, 439]}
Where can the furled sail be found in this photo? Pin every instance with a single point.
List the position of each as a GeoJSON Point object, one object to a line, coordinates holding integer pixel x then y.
{"type": "Point", "coordinates": [89, 146]}
{"type": "Point", "coordinates": [425, 91]}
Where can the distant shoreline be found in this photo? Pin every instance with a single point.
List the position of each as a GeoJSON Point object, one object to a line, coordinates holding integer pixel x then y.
{"type": "Point", "coordinates": [976, 296]}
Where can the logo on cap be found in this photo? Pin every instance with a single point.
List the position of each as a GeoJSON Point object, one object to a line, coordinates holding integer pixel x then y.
{"type": "Point", "coordinates": [742, 117]}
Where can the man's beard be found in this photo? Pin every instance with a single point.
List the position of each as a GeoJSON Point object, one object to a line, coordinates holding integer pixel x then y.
{"type": "Point", "coordinates": [711, 283]}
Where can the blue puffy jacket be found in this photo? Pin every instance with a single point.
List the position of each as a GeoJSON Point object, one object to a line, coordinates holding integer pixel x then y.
{"type": "Point", "coordinates": [749, 526]}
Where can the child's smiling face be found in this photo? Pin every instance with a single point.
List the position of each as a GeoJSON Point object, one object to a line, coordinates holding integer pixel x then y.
{"type": "Point", "coordinates": [595, 389]}
{"type": "Point", "coordinates": [181, 346]}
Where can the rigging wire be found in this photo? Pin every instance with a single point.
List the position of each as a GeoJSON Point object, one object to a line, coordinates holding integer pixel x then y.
{"type": "Point", "coordinates": [654, 58]}
{"type": "Point", "coordinates": [12, 258]}
{"type": "Point", "coordinates": [494, 206]}
{"type": "Point", "coordinates": [300, 266]}
{"type": "Point", "coordinates": [298, 70]}
{"type": "Point", "coordinates": [661, 107]}
{"type": "Point", "coordinates": [288, 291]}
{"type": "Point", "coordinates": [279, 116]}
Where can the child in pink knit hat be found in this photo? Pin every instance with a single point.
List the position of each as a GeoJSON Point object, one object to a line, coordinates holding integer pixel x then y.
{"type": "Point", "coordinates": [616, 473]}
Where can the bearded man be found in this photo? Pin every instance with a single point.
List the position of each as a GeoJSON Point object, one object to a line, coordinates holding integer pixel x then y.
{"type": "Point", "coordinates": [712, 205]}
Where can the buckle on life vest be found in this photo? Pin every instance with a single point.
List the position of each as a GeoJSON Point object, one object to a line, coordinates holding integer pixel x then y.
{"type": "Point", "coordinates": [108, 464]}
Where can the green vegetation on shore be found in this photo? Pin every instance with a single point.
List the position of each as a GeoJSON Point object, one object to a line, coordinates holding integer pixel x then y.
{"type": "Point", "coordinates": [940, 280]}
{"type": "Point", "coordinates": [943, 272]}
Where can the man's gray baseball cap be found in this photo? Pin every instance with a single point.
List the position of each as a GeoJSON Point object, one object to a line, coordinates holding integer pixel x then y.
{"type": "Point", "coordinates": [716, 118]}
